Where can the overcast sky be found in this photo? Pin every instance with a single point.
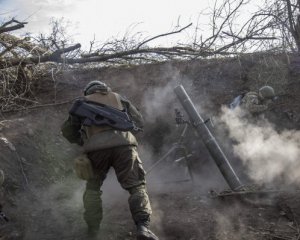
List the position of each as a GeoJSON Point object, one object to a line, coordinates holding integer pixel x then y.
{"type": "Point", "coordinates": [107, 19]}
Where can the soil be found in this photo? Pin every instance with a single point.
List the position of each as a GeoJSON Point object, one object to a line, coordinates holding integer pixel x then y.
{"type": "Point", "coordinates": [42, 197]}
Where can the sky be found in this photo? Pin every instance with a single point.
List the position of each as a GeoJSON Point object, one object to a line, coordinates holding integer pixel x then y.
{"type": "Point", "coordinates": [107, 19]}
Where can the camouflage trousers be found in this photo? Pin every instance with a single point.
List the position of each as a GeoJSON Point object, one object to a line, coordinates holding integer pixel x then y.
{"type": "Point", "coordinates": [131, 176]}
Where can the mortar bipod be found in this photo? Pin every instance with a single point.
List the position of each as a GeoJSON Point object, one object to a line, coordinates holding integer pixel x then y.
{"type": "Point", "coordinates": [178, 146]}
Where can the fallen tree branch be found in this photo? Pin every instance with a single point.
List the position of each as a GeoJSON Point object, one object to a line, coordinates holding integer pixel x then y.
{"type": "Point", "coordinates": [163, 35]}
{"type": "Point", "coordinates": [8, 49]}
{"type": "Point", "coordinates": [36, 107]}
{"type": "Point", "coordinates": [249, 37]}
{"type": "Point", "coordinates": [22, 43]}
{"type": "Point", "coordinates": [53, 57]}
{"type": "Point", "coordinates": [17, 25]}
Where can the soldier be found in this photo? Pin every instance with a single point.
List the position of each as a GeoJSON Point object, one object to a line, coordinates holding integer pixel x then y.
{"type": "Point", "coordinates": [106, 147]}
{"type": "Point", "coordinates": [255, 102]}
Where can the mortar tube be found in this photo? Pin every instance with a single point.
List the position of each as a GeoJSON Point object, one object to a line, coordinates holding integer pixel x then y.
{"type": "Point", "coordinates": [210, 142]}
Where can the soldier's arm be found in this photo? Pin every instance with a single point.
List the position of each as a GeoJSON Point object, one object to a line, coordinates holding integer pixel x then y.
{"type": "Point", "coordinates": [252, 103]}
{"type": "Point", "coordinates": [133, 112]}
{"type": "Point", "coordinates": [256, 108]}
{"type": "Point", "coordinates": [71, 130]}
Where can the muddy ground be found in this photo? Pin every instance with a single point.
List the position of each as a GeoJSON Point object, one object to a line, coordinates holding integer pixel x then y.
{"type": "Point", "coordinates": [42, 197]}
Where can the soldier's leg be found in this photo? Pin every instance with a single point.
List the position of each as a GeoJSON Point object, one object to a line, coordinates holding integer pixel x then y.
{"type": "Point", "coordinates": [93, 204]}
{"type": "Point", "coordinates": [92, 196]}
{"type": "Point", "coordinates": [139, 205]}
{"type": "Point", "coordinates": [131, 176]}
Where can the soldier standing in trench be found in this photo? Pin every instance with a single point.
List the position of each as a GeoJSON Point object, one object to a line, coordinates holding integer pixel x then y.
{"type": "Point", "coordinates": [106, 147]}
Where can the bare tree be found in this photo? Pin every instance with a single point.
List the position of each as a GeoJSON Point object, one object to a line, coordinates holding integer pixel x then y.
{"type": "Point", "coordinates": [273, 27]}
{"type": "Point", "coordinates": [226, 38]}
{"type": "Point", "coordinates": [223, 37]}
{"type": "Point", "coordinates": [283, 21]}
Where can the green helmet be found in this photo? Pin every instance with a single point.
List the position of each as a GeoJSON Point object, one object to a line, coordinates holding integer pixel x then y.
{"type": "Point", "coordinates": [266, 92]}
{"type": "Point", "coordinates": [95, 86]}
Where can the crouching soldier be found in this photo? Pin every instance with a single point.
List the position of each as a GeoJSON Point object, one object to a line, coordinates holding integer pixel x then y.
{"type": "Point", "coordinates": [255, 102]}
{"type": "Point", "coordinates": [105, 147]}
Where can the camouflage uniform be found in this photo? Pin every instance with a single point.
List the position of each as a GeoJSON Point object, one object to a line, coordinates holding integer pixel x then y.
{"type": "Point", "coordinates": [252, 103]}
{"type": "Point", "coordinates": [106, 148]}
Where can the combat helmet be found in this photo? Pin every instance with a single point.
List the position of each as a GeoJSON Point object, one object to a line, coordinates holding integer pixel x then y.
{"type": "Point", "coordinates": [95, 86]}
{"type": "Point", "coordinates": [267, 92]}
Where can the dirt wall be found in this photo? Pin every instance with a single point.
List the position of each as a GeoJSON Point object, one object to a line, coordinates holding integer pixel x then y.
{"type": "Point", "coordinates": [38, 161]}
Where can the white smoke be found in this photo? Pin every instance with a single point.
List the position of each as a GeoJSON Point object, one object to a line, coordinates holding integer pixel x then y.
{"type": "Point", "coordinates": [226, 226]}
{"type": "Point", "coordinates": [158, 100]}
{"type": "Point", "coordinates": [270, 155]}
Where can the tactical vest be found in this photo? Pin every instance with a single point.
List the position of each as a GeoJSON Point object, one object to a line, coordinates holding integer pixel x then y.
{"type": "Point", "coordinates": [110, 99]}
{"type": "Point", "coordinates": [101, 137]}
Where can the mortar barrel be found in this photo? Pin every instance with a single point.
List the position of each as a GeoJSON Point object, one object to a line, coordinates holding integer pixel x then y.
{"type": "Point", "coordinates": [210, 142]}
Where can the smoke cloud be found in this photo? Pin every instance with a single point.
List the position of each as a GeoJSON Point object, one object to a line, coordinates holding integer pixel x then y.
{"type": "Point", "coordinates": [270, 155]}
{"type": "Point", "coordinates": [159, 100]}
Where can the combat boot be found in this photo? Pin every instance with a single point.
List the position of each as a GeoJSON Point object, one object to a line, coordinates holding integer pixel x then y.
{"type": "Point", "coordinates": [144, 233]}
